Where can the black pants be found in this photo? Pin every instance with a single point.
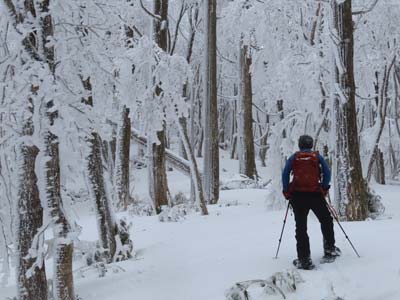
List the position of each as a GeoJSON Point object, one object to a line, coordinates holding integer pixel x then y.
{"type": "Point", "coordinates": [302, 203]}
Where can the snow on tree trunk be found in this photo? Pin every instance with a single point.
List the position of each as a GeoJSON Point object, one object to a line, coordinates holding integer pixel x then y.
{"type": "Point", "coordinates": [31, 273]}
{"type": "Point", "coordinates": [122, 159]}
{"type": "Point", "coordinates": [105, 222]}
{"type": "Point", "coordinates": [350, 187]}
{"type": "Point", "coordinates": [158, 184]}
{"type": "Point", "coordinates": [106, 225]}
{"type": "Point", "coordinates": [211, 150]}
{"type": "Point", "coordinates": [383, 102]}
{"type": "Point", "coordinates": [247, 164]}
{"type": "Point", "coordinates": [63, 286]}
{"type": "Point", "coordinates": [194, 171]}
{"type": "Point", "coordinates": [30, 220]}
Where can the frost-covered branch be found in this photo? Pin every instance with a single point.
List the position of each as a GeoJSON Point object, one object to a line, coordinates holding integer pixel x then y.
{"type": "Point", "coordinates": [366, 10]}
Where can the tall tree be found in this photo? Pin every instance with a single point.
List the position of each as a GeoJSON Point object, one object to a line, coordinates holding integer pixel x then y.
{"type": "Point", "coordinates": [247, 164]}
{"type": "Point", "coordinates": [157, 170]}
{"type": "Point", "coordinates": [105, 222]}
{"type": "Point", "coordinates": [122, 158]}
{"type": "Point", "coordinates": [30, 220]}
{"type": "Point", "coordinates": [211, 147]}
{"type": "Point", "coordinates": [350, 187]}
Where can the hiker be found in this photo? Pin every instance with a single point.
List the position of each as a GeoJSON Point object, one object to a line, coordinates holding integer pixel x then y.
{"type": "Point", "coordinates": [306, 191]}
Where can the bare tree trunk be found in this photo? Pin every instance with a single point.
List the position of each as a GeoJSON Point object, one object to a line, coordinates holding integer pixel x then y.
{"type": "Point", "coordinates": [30, 220]}
{"type": "Point", "coordinates": [279, 106]}
{"type": "Point", "coordinates": [158, 184]}
{"type": "Point", "coordinates": [379, 167]}
{"type": "Point", "coordinates": [247, 164]}
{"type": "Point", "coordinates": [262, 153]}
{"type": "Point", "coordinates": [211, 149]}
{"type": "Point", "coordinates": [200, 135]}
{"type": "Point", "coordinates": [194, 170]}
{"type": "Point", "coordinates": [383, 102]}
{"type": "Point", "coordinates": [234, 126]}
{"type": "Point", "coordinates": [122, 159]}
{"type": "Point", "coordinates": [106, 225]}
{"type": "Point", "coordinates": [350, 187]}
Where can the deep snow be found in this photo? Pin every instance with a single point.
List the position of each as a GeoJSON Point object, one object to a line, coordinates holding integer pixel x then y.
{"type": "Point", "coordinates": [203, 256]}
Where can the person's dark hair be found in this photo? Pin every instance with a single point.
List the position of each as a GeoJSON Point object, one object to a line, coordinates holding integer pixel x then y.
{"type": "Point", "coordinates": [306, 142]}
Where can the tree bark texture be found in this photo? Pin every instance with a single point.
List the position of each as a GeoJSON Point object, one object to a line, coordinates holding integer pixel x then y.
{"type": "Point", "coordinates": [106, 225]}
{"type": "Point", "coordinates": [158, 174]}
{"type": "Point", "coordinates": [211, 150]}
{"type": "Point", "coordinates": [30, 220]}
{"type": "Point", "coordinates": [350, 187]}
{"type": "Point", "coordinates": [379, 172]}
{"type": "Point", "coordinates": [63, 286]}
{"type": "Point", "coordinates": [247, 164]}
{"type": "Point", "coordinates": [30, 210]}
{"type": "Point", "coordinates": [122, 163]}
{"type": "Point", "coordinates": [158, 184]}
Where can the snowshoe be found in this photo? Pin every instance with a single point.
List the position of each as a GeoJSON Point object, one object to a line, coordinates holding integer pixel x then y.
{"type": "Point", "coordinates": [327, 259]}
{"type": "Point", "coordinates": [304, 264]}
{"type": "Point", "coordinates": [330, 255]}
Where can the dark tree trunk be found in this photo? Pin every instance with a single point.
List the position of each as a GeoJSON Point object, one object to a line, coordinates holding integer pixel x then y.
{"type": "Point", "coordinates": [157, 169]}
{"type": "Point", "coordinates": [234, 126]}
{"type": "Point", "coordinates": [379, 172]}
{"type": "Point", "coordinates": [211, 149]}
{"type": "Point", "coordinates": [247, 164]}
{"type": "Point", "coordinates": [122, 164]}
{"type": "Point", "coordinates": [30, 219]}
{"type": "Point", "coordinates": [350, 187]}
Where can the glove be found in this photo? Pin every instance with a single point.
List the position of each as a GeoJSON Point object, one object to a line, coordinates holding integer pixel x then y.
{"type": "Point", "coordinates": [287, 195]}
{"type": "Point", "coordinates": [325, 190]}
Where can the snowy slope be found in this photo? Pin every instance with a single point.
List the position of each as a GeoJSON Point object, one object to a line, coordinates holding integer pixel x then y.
{"type": "Point", "coordinates": [203, 256]}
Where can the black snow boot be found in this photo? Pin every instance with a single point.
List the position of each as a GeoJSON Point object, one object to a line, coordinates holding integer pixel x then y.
{"type": "Point", "coordinates": [332, 252]}
{"type": "Point", "coordinates": [304, 263]}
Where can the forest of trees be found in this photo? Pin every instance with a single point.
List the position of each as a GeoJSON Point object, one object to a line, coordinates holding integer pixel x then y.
{"type": "Point", "coordinates": [90, 90]}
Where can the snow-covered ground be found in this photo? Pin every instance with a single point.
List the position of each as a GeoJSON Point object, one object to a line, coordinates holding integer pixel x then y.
{"type": "Point", "coordinates": [202, 256]}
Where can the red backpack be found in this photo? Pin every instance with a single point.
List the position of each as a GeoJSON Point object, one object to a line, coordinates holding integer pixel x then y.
{"type": "Point", "coordinates": [306, 172]}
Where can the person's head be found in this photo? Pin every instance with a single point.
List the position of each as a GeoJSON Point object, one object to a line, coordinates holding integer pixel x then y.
{"type": "Point", "coordinates": [306, 142]}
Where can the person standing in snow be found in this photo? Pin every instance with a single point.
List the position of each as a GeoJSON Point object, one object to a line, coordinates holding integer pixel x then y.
{"type": "Point", "coordinates": [307, 191]}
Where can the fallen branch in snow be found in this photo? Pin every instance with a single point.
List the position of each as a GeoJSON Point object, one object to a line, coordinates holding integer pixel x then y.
{"type": "Point", "coordinates": [277, 286]}
{"type": "Point", "coordinates": [243, 182]}
{"type": "Point", "coordinates": [280, 284]}
{"type": "Point", "coordinates": [172, 158]}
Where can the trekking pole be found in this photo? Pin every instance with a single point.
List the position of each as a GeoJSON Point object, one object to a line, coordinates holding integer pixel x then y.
{"type": "Point", "coordinates": [283, 228]}
{"type": "Point", "coordinates": [335, 216]}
